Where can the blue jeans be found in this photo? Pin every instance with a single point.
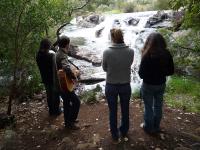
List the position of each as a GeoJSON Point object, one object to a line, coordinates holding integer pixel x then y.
{"type": "Point", "coordinates": [152, 96]}
{"type": "Point", "coordinates": [112, 91]}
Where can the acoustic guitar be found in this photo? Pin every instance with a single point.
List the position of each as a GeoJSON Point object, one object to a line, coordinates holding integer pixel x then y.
{"type": "Point", "coordinates": [68, 84]}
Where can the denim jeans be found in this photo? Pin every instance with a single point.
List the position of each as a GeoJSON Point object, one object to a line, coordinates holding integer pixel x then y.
{"type": "Point", "coordinates": [152, 96]}
{"type": "Point", "coordinates": [112, 91]}
{"type": "Point", "coordinates": [53, 99]}
{"type": "Point", "coordinates": [71, 104]}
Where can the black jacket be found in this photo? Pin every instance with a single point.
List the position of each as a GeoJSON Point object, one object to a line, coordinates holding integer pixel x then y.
{"type": "Point", "coordinates": [154, 69]}
{"type": "Point", "coordinates": [46, 64]}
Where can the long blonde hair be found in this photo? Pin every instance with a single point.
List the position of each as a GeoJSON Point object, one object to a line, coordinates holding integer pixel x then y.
{"type": "Point", "coordinates": [117, 36]}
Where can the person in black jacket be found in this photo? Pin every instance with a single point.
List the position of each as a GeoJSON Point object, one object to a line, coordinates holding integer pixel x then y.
{"type": "Point", "coordinates": [46, 62]}
{"type": "Point", "coordinates": [156, 64]}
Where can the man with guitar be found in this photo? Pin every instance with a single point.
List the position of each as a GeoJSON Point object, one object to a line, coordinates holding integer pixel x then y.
{"type": "Point", "coordinates": [71, 102]}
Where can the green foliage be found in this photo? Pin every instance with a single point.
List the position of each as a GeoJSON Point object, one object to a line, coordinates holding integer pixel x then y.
{"type": "Point", "coordinates": [91, 96]}
{"type": "Point", "coordinates": [192, 12]}
{"type": "Point", "coordinates": [23, 24]}
{"type": "Point", "coordinates": [135, 94]}
{"type": "Point", "coordinates": [183, 92]}
{"type": "Point", "coordinates": [162, 4]}
{"type": "Point", "coordinates": [129, 7]}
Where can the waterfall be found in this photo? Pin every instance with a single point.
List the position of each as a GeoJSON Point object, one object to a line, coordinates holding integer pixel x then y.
{"type": "Point", "coordinates": [134, 37]}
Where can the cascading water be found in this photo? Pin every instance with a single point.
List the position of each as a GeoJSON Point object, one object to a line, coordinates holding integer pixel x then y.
{"type": "Point", "coordinates": [134, 37]}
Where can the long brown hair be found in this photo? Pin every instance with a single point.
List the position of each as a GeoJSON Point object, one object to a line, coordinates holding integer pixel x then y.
{"type": "Point", "coordinates": [117, 36]}
{"type": "Point", "coordinates": [155, 45]}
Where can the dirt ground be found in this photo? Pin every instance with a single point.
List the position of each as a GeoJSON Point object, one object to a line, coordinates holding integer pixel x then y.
{"type": "Point", "coordinates": [36, 130]}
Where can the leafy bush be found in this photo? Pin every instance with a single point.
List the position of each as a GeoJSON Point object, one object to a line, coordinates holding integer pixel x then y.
{"type": "Point", "coordinates": [129, 7]}
{"type": "Point", "coordinates": [92, 96]}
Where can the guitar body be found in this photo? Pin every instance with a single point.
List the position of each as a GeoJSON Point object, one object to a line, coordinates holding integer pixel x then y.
{"type": "Point", "coordinates": [66, 84]}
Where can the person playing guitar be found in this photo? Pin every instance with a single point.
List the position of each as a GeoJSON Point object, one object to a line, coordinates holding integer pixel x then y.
{"type": "Point", "coordinates": [67, 75]}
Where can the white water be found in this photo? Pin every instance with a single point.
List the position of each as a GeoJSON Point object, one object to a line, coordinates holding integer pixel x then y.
{"type": "Point", "coordinates": [134, 37]}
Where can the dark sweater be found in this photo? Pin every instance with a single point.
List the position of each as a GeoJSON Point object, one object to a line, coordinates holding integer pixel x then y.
{"type": "Point", "coordinates": [46, 66]}
{"type": "Point", "coordinates": [154, 69]}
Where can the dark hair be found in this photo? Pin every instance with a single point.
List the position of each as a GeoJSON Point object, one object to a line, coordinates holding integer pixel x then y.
{"type": "Point", "coordinates": [117, 36]}
{"type": "Point", "coordinates": [63, 41]}
{"type": "Point", "coordinates": [155, 45]}
{"type": "Point", "coordinates": [45, 44]}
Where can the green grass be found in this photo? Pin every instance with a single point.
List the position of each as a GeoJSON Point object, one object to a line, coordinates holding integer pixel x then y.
{"type": "Point", "coordinates": [183, 93]}
{"type": "Point", "coordinates": [135, 94]}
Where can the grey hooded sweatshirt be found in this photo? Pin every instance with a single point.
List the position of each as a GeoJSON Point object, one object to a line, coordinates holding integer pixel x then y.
{"type": "Point", "coordinates": [117, 61]}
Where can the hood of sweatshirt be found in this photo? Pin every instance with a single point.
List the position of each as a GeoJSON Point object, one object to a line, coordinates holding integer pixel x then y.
{"type": "Point", "coordinates": [121, 45]}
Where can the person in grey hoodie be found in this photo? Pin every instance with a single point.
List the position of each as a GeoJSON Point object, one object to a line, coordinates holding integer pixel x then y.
{"type": "Point", "coordinates": [117, 61]}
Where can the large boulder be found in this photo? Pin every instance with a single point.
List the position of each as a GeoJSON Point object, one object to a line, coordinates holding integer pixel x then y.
{"type": "Point", "coordinates": [89, 21]}
{"type": "Point", "coordinates": [157, 18]}
{"type": "Point", "coordinates": [84, 54]}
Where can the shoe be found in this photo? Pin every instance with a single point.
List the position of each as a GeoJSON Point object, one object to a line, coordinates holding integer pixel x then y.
{"type": "Point", "coordinates": [124, 137]}
{"type": "Point", "coordinates": [76, 121]}
{"type": "Point", "coordinates": [116, 141]}
{"type": "Point", "coordinates": [145, 130]}
{"type": "Point", "coordinates": [72, 126]}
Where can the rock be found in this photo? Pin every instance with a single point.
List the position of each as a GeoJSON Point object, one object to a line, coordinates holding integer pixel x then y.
{"type": "Point", "coordinates": [89, 21]}
{"type": "Point", "coordinates": [157, 18]}
{"type": "Point", "coordinates": [99, 31]}
{"type": "Point", "coordinates": [182, 148]}
{"type": "Point", "coordinates": [132, 21]}
{"type": "Point", "coordinates": [162, 136]}
{"type": "Point", "coordinates": [96, 139]}
{"type": "Point", "coordinates": [83, 146]}
{"type": "Point", "coordinates": [84, 54]}
{"type": "Point", "coordinates": [66, 143]}
{"type": "Point", "coordinates": [9, 139]}
{"type": "Point", "coordinates": [141, 139]}
{"type": "Point", "coordinates": [197, 130]}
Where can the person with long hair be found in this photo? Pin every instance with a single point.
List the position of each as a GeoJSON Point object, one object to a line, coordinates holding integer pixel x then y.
{"type": "Point", "coordinates": [117, 61]}
{"type": "Point", "coordinates": [46, 62]}
{"type": "Point", "coordinates": [156, 64]}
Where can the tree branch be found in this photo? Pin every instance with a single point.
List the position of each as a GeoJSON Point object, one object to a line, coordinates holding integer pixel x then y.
{"type": "Point", "coordinates": [80, 7]}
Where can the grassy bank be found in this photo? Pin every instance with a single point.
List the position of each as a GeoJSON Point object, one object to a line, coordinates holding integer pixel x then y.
{"type": "Point", "coordinates": [184, 93]}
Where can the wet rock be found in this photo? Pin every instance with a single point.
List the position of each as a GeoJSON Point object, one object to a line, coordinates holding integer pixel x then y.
{"type": "Point", "coordinates": [84, 54]}
{"type": "Point", "coordinates": [157, 18]}
{"type": "Point", "coordinates": [89, 21]}
{"type": "Point", "coordinates": [132, 21]}
{"type": "Point", "coordinates": [99, 31]}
